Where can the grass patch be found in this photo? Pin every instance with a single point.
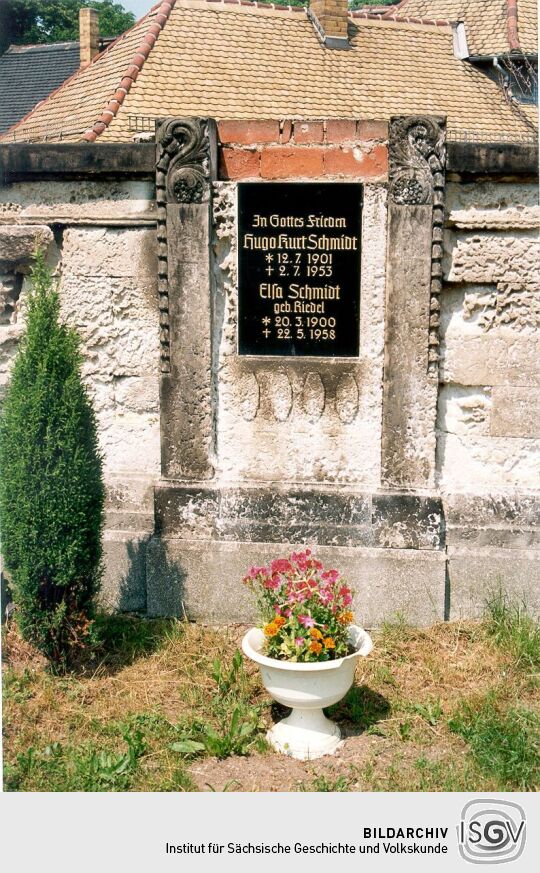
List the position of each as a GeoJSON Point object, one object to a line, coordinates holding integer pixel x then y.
{"type": "Point", "coordinates": [327, 782]}
{"type": "Point", "coordinates": [514, 630]}
{"type": "Point", "coordinates": [81, 768]}
{"type": "Point", "coordinates": [163, 705]}
{"type": "Point", "coordinates": [504, 742]}
{"type": "Point", "coordinates": [115, 724]}
{"type": "Point", "coordinates": [421, 773]}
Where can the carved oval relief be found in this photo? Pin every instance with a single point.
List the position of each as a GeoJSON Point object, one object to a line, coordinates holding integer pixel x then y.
{"type": "Point", "coordinates": [313, 396]}
{"type": "Point", "coordinates": [249, 396]}
{"type": "Point", "coordinates": [280, 395]}
{"type": "Point", "coordinates": [347, 398]}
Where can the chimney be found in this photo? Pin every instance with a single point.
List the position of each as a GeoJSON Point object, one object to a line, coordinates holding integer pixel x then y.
{"type": "Point", "coordinates": [88, 35]}
{"type": "Point", "coordinates": [330, 18]}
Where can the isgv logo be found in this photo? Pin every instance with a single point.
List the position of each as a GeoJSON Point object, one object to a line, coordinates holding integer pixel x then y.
{"type": "Point", "coordinates": [492, 831]}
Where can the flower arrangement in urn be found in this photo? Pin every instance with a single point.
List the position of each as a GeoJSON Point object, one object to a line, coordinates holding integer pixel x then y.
{"type": "Point", "coordinates": [306, 609]}
{"type": "Point", "coordinates": [306, 647]}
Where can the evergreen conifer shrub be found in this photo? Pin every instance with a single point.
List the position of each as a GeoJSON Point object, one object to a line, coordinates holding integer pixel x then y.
{"type": "Point", "coordinates": [51, 488]}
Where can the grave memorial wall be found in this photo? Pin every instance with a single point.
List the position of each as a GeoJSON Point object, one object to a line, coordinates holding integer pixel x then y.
{"type": "Point", "coordinates": [402, 449]}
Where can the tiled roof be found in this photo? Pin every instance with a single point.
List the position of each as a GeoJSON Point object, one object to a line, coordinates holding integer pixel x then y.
{"type": "Point", "coordinates": [242, 60]}
{"type": "Point", "coordinates": [490, 24]}
{"type": "Point", "coordinates": [29, 73]}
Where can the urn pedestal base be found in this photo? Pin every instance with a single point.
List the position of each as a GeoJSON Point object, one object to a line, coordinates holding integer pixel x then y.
{"type": "Point", "coordinates": [305, 734]}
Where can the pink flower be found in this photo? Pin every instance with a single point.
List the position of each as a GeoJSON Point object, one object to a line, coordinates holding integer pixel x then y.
{"type": "Point", "coordinates": [287, 613]}
{"type": "Point", "coordinates": [281, 565]}
{"type": "Point", "coordinates": [326, 596]}
{"type": "Point", "coordinates": [306, 620]}
{"type": "Point", "coordinates": [330, 576]}
{"type": "Point", "coordinates": [345, 594]}
{"type": "Point", "coordinates": [299, 641]}
{"type": "Point", "coordinates": [272, 584]}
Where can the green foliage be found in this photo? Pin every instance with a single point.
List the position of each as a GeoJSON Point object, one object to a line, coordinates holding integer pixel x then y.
{"type": "Point", "coordinates": [504, 744]}
{"type": "Point", "coordinates": [513, 629]}
{"type": "Point", "coordinates": [82, 768]}
{"type": "Point", "coordinates": [118, 640]}
{"type": "Point", "coordinates": [405, 729]}
{"type": "Point", "coordinates": [239, 733]}
{"type": "Point", "coordinates": [236, 723]}
{"type": "Point", "coordinates": [227, 680]}
{"type": "Point", "coordinates": [431, 712]}
{"type": "Point", "coordinates": [24, 22]}
{"type": "Point", "coordinates": [361, 4]}
{"type": "Point", "coordinates": [324, 783]}
{"type": "Point", "coordinates": [18, 686]}
{"type": "Point", "coordinates": [51, 490]}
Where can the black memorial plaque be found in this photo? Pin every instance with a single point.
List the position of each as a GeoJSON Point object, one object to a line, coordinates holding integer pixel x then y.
{"type": "Point", "coordinates": [299, 268]}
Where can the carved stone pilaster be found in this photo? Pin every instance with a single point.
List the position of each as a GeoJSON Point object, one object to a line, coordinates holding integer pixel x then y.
{"type": "Point", "coordinates": [414, 279]}
{"type": "Point", "coordinates": [186, 150]}
{"type": "Point", "coordinates": [185, 158]}
{"type": "Point", "coordinates": [417, 160]}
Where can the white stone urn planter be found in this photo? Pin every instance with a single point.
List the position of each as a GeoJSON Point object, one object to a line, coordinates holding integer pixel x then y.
{"type": "Point", "coordinates": [306, 687]}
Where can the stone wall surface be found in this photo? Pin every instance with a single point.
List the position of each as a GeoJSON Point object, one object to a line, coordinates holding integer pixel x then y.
{"type": "Point", "coordinates": [292, 447]}
{"type": "Point", "coordinates": [488, 432]}
{"type": "Point", "coordinates": [300, 421]}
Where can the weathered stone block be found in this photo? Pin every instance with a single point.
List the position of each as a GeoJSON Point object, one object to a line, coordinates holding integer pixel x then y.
{"type": "Point", "coordinates": [495, 195]}
{"type": "Point", "coordinates": [490, 359]}
{"type": "Point", "coordinates": [82, 201]}
{"type": "Point", "coordinates": [486, 463]}
{"type": "Point", "coordinates": [407, 521]}
{"type": "Point", "coordinates": [109, 251]}
{"type": "Point", "coordinates": [476, 575]}
{"type": "Point", "coordinates": [203, 580]}
{"type": "Point", "coordinates": [485, 257]}
{"type": "Point", "coordinates": [515, 411]}
{"type": "Point", "coordinates": [124, 580]}
{"type": "Point", "coordinates": [18, 243]}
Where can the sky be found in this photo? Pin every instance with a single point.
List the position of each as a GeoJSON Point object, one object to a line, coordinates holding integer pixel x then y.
{"type": "Point", "coordinates": [138, 7]}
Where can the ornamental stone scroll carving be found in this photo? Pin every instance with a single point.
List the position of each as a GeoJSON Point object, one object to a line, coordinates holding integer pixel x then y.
{"type": "Point", "coordinates": [184, 159]}
{"type": "Point", "coordinates": [417, 158]}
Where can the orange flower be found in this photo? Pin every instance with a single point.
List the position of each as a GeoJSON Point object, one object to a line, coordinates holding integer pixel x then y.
{"type": "Point", "coordinates": [345, 617]}
{"type": "Point", "coordinates": [329, 643]}
{"type": "Point", "coordinates": [279, 621]}
{"type": "Point", "coordinates": [315, 647]}
{"type": "Point", "coordinates": [315, 634]}
{"type": "Point", "coordinates": [270, 630]}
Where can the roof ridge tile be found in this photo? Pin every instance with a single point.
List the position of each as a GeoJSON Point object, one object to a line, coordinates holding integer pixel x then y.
{"type": "Point", "coordinates": [401, 19]}
{"type": "Point", "coordinates": [146, 45]}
